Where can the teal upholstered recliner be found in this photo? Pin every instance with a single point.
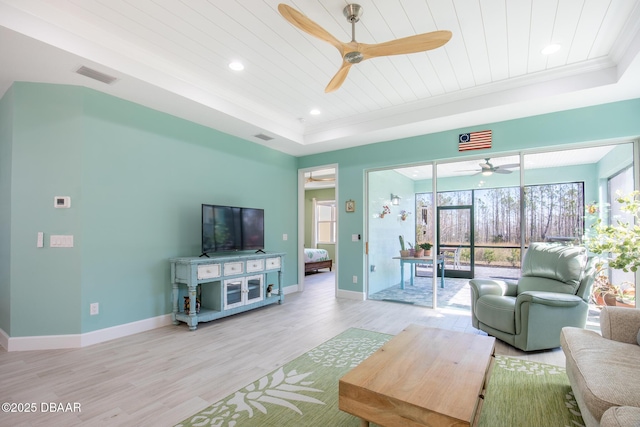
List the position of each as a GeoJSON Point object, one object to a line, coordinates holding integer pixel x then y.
{"type": "Point", "coordinates": [552, 293]}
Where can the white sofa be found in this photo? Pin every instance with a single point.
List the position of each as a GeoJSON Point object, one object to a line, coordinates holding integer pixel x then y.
{"type": "Point", "coordinates": [604, 370]}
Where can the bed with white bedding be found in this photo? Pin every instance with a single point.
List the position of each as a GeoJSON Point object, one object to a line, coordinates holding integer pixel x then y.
{"type": "Point", "coordinates": [315, 259]}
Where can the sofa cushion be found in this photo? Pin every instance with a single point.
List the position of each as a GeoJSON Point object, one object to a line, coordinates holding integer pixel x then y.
{"type": "Point", "coordinates": [621, 416]}
{"type": "Point", "coordinates": [605, 371]}
{"type": "Point", "coordinates": [563, 266]}
{"type": "Point", "coordinates": [497, 312]}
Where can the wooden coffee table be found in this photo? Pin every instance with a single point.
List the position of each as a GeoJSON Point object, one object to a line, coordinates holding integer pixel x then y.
{"type": "Point", "coordinates": [421, 377]}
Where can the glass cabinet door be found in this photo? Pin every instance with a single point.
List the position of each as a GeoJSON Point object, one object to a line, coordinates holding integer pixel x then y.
{"type": "Point", "coordinates": [233, 293]}
{"type": "Point", "coordinates": [255, 288]}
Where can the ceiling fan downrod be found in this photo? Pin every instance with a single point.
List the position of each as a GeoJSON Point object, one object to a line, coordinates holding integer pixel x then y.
{"type": "Point", "coordinates": [353, 12]}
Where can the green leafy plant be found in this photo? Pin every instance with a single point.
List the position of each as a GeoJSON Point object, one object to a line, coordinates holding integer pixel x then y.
{"type": "Point", "coordinates": [401, 242]}
{"type": "Point", "coordinates": [619, 243]}
{"type": "Point", "coordinates": [489, 256]}
{"type": "Point", "coordinates": [426, 246]}
{"type": "Point", "coordinates": [514, 257]}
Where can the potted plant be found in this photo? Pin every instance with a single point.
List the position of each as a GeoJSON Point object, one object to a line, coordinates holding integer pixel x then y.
{"type": "Point", "coordinates": [403, 251]}
{"type": "Point", "coordinates": [426, 247]}
{"type": "Point", "coordinates": [606, 293]}
{"type": "Point", "coordinates": [618, 246]}
{"type": "Point", "coordinates": [419, 252]}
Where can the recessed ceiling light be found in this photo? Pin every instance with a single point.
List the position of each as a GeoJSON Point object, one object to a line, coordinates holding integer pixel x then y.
{"type": "Point", "coordinates": [236, 66]}
{"type": "Point", "coordinates": [552, 48]}
{"type": "Point", "coordinates": [314, 112]}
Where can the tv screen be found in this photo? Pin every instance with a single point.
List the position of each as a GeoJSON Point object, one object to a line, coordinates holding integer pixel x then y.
{"type": "Point", "coordinates": [230, 228]}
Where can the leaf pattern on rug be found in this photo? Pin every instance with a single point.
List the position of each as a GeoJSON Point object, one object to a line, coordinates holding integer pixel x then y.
{"type": "Point", "coordinates": [279, 388]}
{"type": "Point", "coordinates": [345, 352]}
{"type": "Point", "coordinates": [527, 367]}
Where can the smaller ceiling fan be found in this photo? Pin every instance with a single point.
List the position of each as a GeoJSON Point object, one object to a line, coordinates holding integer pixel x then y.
{"type": "Point", "coordinates": [310, 178]}
{"type": "Point", "coordinates": [487, 168]}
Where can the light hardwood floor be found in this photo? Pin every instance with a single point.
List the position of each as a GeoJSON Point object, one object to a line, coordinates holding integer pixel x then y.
{"type": "Point", "coordinates": [160, 377]}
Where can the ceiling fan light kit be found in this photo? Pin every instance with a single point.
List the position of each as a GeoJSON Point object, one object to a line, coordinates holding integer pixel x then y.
{"type": "Point", "coordinates": [354, 52]}
{"type": "Point", "coordinates": [488, 169]}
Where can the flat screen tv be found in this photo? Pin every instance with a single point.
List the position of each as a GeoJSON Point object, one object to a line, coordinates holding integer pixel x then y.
{"type": "Point", "coordinates": [231, 228]}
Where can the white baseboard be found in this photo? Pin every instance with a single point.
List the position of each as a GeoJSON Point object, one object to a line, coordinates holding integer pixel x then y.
{"type": "Point", "coordinates": [54, 342]}
{"type": "Point", "coordinates": [107, 334]}
{"type": "Point", "coordinates": [291, 289]}
{"type": "Point", "coordinates": [358, 296]}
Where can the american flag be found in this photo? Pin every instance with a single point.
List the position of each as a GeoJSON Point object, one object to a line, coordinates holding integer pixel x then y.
{"type": "Point", "coordinates": [474, 140]}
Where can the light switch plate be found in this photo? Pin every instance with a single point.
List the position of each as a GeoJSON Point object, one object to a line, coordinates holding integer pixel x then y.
{"type": "Point", "coordinates": [62, 202]}
{"type": "Point", "coordinates": [58, 241]}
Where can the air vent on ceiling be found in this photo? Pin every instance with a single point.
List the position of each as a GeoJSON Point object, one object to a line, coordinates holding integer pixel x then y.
{"type": "Point", "coordinates": [96, 75]}
{"type": "Point", "coordinates": [263, 137]}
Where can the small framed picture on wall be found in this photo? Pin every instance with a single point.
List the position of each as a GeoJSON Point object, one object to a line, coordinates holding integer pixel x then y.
{"type": "Point", "coordinates": [350, 206]}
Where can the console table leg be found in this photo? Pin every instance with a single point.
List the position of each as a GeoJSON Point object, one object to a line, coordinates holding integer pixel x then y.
{"type": "Point", "coordinates": [364, 423]}
{"type": "Point", "coordinates": [175, 303]}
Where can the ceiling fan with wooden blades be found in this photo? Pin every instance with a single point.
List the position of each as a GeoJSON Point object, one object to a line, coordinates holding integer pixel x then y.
{"type": "Point", "coordinates": [354, 52]}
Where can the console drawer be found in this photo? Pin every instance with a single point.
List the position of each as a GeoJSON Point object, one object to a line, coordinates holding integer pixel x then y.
{"type": "Point", "coordinates": [209, 271]}
{"type": "Point", "coordinates": [273, 263]}
{"type": "Point", "coordinates": [233, 268]}
{"type": "Point", "coordinates": [254, 265]}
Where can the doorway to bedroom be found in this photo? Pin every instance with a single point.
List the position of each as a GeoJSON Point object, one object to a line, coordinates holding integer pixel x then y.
{"type": "Point", "coordinates": [319, 229]}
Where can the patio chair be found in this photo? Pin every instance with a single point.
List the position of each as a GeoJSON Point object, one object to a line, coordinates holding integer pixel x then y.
{"type": "Point", "coordinates": [452, 256]}
{"type": "Point", "coordinates": [552, 293]}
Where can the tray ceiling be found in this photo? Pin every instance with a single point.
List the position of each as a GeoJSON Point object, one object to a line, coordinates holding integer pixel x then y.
{"type": "Point", "coordinates": [173, 56]}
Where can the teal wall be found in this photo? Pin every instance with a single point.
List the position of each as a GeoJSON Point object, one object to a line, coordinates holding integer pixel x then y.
{"type": "Point", "coordinates": [47, 162]}
{"type": "Point", "coordinates": [137, 178]}
{"type": "Point", "coordinates": [616, 160]}
{"type": "Point", "coordinates": [6, 138]}
{"type": "Point", "coordinates": [602, 122]}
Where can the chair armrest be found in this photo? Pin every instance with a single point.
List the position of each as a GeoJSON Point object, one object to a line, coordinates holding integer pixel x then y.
{"type": "Point", "coordinates": [492, 287]}
{"type": "Point", "coordinates": [552, 299]}
{"type": "Point", "coordinates": [620, 324]}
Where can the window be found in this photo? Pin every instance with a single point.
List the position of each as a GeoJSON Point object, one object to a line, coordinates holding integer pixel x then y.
{"type": "Point", "coordinates": [554, 212]}
{"type": "Point", "coordinates": [326, 221]}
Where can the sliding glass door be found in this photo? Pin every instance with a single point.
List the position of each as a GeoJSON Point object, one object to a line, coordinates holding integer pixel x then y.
{"type": "Point", "coordinates": [455, 240]}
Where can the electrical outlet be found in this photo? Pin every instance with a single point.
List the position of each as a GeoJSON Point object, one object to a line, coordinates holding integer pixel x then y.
{"type": "Point", "coordinates": [355, 279]}
{"type": "Point", "coordinates": [94, 309]}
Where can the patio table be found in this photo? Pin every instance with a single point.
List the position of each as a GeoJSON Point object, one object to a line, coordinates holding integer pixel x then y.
{"type": "Point", "coordinates": [419, 260]}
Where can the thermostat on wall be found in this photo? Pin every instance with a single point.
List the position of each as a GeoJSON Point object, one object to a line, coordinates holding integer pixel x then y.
{"type": "Point", "coordinates": [62, 202]}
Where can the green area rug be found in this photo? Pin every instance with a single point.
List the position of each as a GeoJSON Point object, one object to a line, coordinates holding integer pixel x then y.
{"type": "Point", "coordinates": [528, 394]}
{"type": "Point", "coordinates": [304, 392]}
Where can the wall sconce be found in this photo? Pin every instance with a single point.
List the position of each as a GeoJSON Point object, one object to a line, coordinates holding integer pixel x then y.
{"type": "Point", "coordinates": [395, 200]}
